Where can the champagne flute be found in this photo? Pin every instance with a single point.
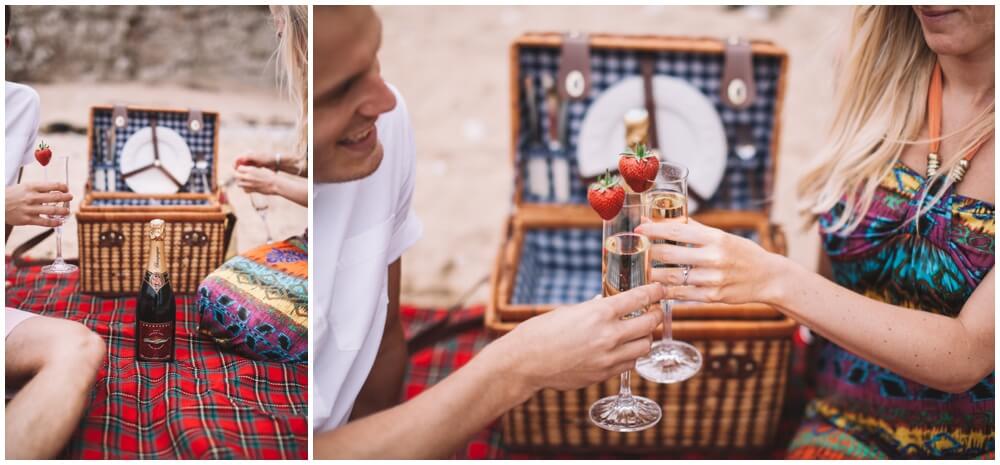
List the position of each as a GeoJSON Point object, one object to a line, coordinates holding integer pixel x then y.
{"type": "Point", "coordinates": [58, 171]}
{"type": "Point", "coordinates": [625, 265]}
{"type": "Point", "coordinates": [261, 204]}
{"type": "Point", "coordinates": [669, 360]}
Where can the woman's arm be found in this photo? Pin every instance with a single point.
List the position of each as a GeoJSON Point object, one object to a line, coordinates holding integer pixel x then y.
{"type": "Point", "coordinates": [268, 182]}
{"type": "Point", "coordinates": [567, 348]}
{"type": "Point", "coordinates": [949, 354]}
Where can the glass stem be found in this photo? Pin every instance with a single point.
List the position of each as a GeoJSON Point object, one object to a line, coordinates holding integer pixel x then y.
{"type": "Point", "coordinates": [625, 389]}
{"type": "Point", "coordinates": [668, 316]}
{"type": "Point", "coordinates": [59, 258]}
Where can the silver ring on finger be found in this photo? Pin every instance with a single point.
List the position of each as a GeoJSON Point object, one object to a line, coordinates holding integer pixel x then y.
{"type": "Point", "coordinates": [687, 270]}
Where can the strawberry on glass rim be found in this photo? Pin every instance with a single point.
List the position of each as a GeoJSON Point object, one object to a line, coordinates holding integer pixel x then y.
{"type": "Point", "coordinates": [43, 154]}
{"type": "Point", "coordinates": [606, 196]}
{"type": "Point", "coordinates": [639, 167]}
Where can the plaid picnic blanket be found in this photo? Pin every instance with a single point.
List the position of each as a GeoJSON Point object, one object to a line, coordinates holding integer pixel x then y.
{"type": "Point", "coordinates": [207, 404]}
{"type": "Point", "coordinates": [433, 364]}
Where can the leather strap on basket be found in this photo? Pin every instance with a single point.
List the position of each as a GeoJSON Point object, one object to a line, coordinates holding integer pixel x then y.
{"type": "Point", "coordinates": [195, 120]}
{"type": "Point", "coordinates": [574, 67]}
{"type": "Point", "coordinates": [119, 116]}
{"type": "Point", "coordinates": [156, 152]}
{"type": "Point", "coordinates": [646, 68]}
{"type": "Point", "coordinates": [737, 88]}
{"type": "Point", "coordinates": [23, 249]}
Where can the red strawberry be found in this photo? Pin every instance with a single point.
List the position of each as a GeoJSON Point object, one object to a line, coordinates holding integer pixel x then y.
{"type": "Point", "coordinates": [639, 168]}
{"type": "Point", "coordinates": [43, 154]}
{"type": "Point", "coordinates": [606, 196]}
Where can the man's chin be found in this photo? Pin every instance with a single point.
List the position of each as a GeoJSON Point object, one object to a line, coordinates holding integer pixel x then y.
{"type": "Point", "coordinates": [352, 169]}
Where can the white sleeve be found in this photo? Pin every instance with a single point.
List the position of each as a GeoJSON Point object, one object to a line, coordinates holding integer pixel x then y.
{"type": "Point", "coordinates": [23, 109]}
{"type": "Point", "coordinates": [407, 228]}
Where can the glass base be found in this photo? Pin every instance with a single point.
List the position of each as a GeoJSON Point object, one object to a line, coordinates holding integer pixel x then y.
{"type": "Point", "coordinates": [625, 413]}
{"type": "Point", "coordinates": [669, 362]}
{"type": "Point", "coordinates": [59, 268]}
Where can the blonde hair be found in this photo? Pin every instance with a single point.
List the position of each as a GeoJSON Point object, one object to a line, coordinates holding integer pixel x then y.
{"type": "Point", "coordinates": [882, 106]}
{"type": "Point", "coordinates": [292, 56]}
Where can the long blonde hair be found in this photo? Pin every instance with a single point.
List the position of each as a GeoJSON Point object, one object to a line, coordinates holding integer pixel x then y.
{"type": "Point", "coordinates": [882, 104]}
{"type": "Point", "coordinates": [292, 56]}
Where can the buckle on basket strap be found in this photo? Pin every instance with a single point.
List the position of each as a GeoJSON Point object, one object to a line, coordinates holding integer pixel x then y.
{"type": "Point", "coordinates": [119, 116]}
{"type": "Point", "coordinates": [574, 67]}
{"type": "Point", "coordinates": [737, 87]}
{"type": "Point", "coordinates": [110, 238]}
{"type": "Point", "coordinates": [730, 366]}
{"type": "Point", "coordinates": [194, 238]}
{"type": "Point", "coordinates": [195, 120]}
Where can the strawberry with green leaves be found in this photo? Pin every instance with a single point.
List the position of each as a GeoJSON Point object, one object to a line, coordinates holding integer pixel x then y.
{"type": "Point", "coordinates": [606, 196]}
{"type": "Point", "coordinates": [639, 167]}
{"type": "Point", "coordinates": [43, 154]}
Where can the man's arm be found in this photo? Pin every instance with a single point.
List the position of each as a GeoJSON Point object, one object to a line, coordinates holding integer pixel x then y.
{"type": "Point", "coordinates": [384, 386]}
{"type": "Point", "coordinates": [567, 348]}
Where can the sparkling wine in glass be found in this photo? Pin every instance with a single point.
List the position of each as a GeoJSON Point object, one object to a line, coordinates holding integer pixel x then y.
{"type": "Point", "coordinates": [669, 360]}
{"type": "Point", "coordinates": [625, 264]}
{"type": "Point", "coordinates": [261, 204]}
{"type": "Point", "coordinates": [58, 171]}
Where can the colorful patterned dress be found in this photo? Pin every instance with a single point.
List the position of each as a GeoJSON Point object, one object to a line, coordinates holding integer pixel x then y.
{"type": "Point", "coordinates": [256, 303]}
{"type": "Point", "coordinates": [863, 410]}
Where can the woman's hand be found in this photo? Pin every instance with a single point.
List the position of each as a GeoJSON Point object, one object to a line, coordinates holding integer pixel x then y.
{"type": "Point", "coordinates": [285, 162]}
{"type": "Point", "coordinates": [24, 203]}
{"type": "Point", "coordinates": [254, 179]}
{"type": "Point", "coordinates": [580, 345]}
{"type": "Point", "coordinates": [723, 267]}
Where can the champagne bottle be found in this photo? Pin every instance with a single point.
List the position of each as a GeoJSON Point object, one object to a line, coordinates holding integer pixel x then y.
{"type": "Point", "coordinates": [156, 315]}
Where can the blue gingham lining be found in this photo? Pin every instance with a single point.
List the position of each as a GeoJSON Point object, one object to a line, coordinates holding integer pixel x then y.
{"type": "Point", "coordinates": [743, 185]}
{"type": "Point", "coordinates": [146, 202]}
{"type": "Point", "coordinates": [563, 266]}
{"type": "Point", "coordinates": [198, 142]}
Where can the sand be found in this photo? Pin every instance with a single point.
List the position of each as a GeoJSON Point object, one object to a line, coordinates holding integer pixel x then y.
{"type": "Point", "coordinates": [251, 119]}
{"type": "Point", "coordinates": [451, 65]}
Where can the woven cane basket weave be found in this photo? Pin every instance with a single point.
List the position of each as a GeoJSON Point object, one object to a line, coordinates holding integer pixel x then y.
{"type": "Point", "coordinates": [551, 257]}
{"type": "Point", "coordinates": [112, 219]}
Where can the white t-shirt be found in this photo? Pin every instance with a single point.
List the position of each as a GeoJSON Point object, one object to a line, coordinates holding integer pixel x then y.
{"type": "Point", "coordinates": [360, 228]}
{"type": "Point", "coordinates": [21, 113]}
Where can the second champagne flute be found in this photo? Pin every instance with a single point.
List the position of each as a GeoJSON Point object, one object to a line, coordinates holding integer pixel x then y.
{"type": "Point", "coordinates": [669, 360]}
{"type": "Point", "coordinates": [58, 171]}
{"type": "Point", "coordinates": [625, 265]}
{"type": "Point", "coordinates": [261, 204]}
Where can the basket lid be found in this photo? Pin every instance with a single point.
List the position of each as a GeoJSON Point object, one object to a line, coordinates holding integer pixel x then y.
{"type": "Point", "coordinates": [111, 127]}
{"type": "Point", "coordinates": [749, 109]}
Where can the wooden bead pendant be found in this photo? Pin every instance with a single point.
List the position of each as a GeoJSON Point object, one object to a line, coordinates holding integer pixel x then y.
{"type": "Point", "coordinates": [933, 163]}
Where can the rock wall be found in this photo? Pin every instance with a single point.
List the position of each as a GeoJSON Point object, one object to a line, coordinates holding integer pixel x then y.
{"type": "Point", "coordinates": [205, 47]}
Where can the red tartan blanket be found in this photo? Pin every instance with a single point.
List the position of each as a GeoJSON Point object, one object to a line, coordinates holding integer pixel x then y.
{"type": "Point", "coordinates": [207, 404]}
{"type": "Point", "coordinates": [433, 364]}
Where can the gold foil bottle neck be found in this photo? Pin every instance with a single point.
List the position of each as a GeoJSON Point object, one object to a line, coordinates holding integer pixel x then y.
{"type": "Point", "coordinates": [636, 127]}
{"type": "Point", "coordinates": [156, 229]}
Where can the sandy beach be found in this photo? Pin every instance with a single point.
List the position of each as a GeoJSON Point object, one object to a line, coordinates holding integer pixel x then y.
{"type": "Point", "coordinates": [251, 119]}
{"type": "Point", "coordinates": [451, 65]}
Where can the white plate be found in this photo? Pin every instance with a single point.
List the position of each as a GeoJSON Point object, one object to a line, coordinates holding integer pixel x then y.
{"type": "Point", "coordinates": [690, 131]}
{"type": "Point", "coordinates": [175, 157]}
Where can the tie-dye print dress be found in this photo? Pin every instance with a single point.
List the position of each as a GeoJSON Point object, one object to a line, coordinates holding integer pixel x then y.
{"type": "Point", "coordinates": [863, 410]}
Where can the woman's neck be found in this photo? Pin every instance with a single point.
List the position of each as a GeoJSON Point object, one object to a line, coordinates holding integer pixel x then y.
{"type": "Point", "coordinates": [971, 75]}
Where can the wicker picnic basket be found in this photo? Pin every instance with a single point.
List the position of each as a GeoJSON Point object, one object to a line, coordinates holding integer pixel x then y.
{"type": "Point", "coordinates": [113, 220]}
{"type": "Point", "coordinates": [551, 253]}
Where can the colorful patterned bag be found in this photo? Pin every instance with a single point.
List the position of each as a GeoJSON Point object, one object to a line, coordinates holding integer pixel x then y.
{"type": "Point", "coordinates": [256, 303]}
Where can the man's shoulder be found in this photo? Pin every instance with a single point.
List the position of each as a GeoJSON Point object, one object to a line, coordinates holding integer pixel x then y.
{"type": "Point", "coordinates": [20, 93]}
{"type": "Point", "coordinates": [396, 133]}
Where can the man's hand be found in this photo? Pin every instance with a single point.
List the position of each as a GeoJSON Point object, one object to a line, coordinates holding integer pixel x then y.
{"type": "Point", "coordinates": [25, 203]}
{"type": "Point", "coordinates": [583, 344]}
